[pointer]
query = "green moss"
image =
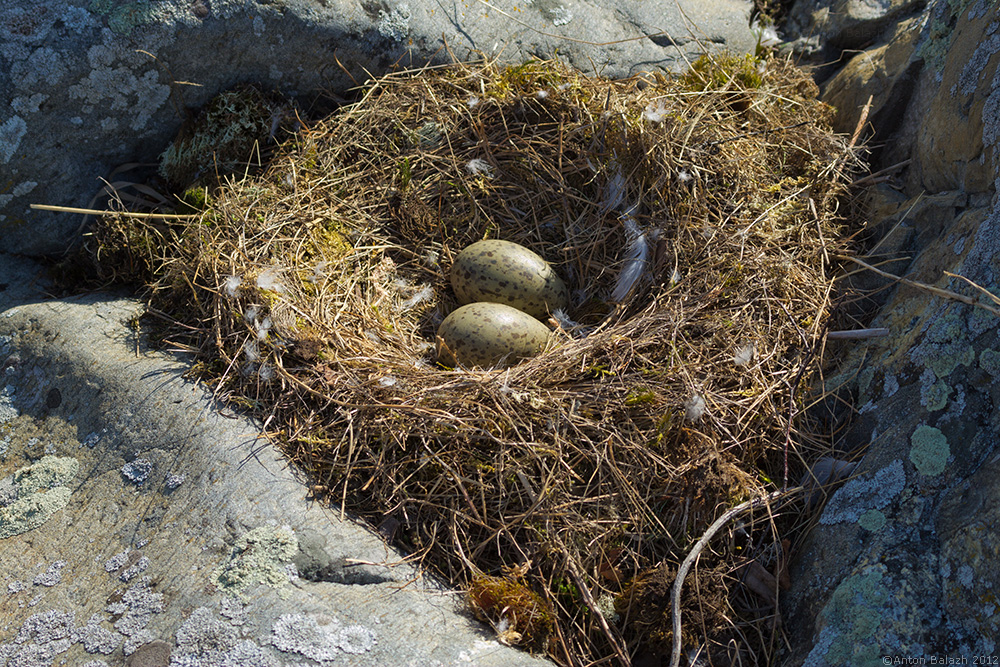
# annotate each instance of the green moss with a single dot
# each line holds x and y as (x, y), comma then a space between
(640, 395)
(258, 557)
(193, 200)
(526, 79)
(929, 450)
(717, 72)
(872, 520)
(509, 599)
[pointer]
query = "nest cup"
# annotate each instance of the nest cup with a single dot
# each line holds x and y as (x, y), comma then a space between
(563, 490)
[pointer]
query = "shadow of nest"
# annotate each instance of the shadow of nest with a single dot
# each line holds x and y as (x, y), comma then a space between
(562, 492)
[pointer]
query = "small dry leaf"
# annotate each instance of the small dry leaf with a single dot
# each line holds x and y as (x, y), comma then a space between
(607, 568)
(761, 582)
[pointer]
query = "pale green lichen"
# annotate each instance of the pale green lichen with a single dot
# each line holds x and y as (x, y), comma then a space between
(872, 520)
(865, 378)
(865, 493)
(39, 492)
(48, 473)
(854, 613)
(989, 361)
(940, 28)
(12, 131)
(261, 556)
(934, 396)
(225, 136)
(929, 450)
(945, 358)
(946, 345)
(123, 18)
(394, 24)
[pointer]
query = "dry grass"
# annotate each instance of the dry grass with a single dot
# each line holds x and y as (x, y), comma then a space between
(564, 491)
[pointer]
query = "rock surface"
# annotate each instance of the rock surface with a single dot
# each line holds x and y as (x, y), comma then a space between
(139, 525)
(904, 561)
(88, 87)
(826, 30)
(192, 547)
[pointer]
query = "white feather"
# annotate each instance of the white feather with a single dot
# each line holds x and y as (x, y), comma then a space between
(263, 327)
(564, 320)
(231, 285)
(251, 350)
(635, 264)
(477, 166)
(425, 293)
(269, 279)
(265, 373)
(614, 192)
(744, 355)
(695, 407)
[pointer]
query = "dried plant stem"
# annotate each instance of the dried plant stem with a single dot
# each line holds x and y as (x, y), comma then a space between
(993, 297)
(931, 289)
(124, 214)
(603, 622)
(682, 572)
(879, 175)
(854, 334)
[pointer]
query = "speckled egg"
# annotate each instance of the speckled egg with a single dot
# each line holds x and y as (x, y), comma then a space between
(505, 272)
(489, 334)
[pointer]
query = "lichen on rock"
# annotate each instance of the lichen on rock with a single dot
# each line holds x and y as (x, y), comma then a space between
(39, 492)
(861, 495)
(259, 556)
(852, 619)
(223, 137)
(929, 450)
(319, 639)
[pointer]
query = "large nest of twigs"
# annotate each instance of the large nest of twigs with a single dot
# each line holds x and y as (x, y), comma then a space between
(561, 492)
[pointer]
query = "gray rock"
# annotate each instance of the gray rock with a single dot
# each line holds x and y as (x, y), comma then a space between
(848, 24)
(231, 566)
(904, 559)
(92, 86)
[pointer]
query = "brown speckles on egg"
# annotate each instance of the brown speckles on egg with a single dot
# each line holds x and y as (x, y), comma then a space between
(487, 334)
(505, 272)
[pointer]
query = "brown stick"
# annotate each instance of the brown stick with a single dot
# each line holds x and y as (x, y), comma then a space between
(877, 332)
(675, 659)
(882, 172)
(936, 291)
(127, 214)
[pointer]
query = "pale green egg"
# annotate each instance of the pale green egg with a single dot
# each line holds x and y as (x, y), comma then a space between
(504, 272)
(489, 334)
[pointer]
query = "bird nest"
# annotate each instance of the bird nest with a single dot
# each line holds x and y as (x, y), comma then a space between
(562, 492)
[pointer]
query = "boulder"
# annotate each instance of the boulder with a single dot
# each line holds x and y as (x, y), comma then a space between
(91, 88)
(141, 525)
(904, 559)
(833, 27)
